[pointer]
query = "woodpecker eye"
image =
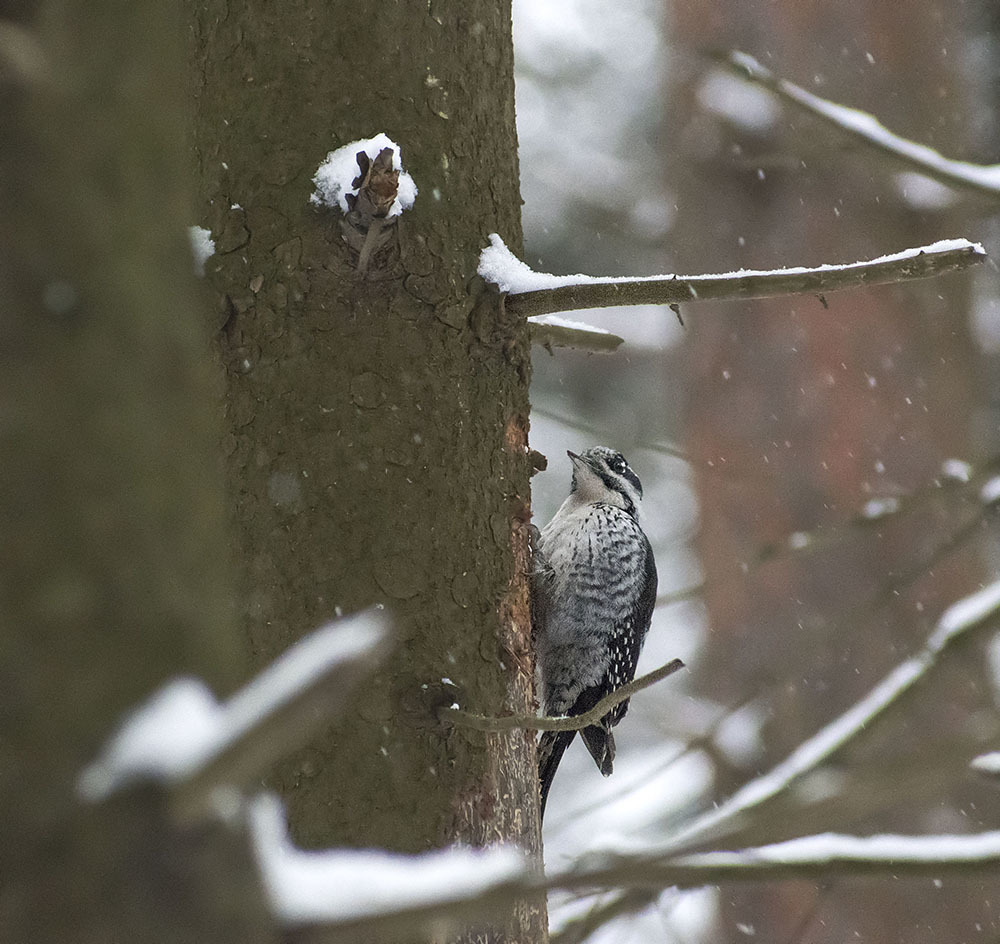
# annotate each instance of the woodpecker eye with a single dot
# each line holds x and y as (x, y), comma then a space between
(618, 464)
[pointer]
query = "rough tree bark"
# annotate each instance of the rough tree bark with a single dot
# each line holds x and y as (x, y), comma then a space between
(376, 426)
(112, 564)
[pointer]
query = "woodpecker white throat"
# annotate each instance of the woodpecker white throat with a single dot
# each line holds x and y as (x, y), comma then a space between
(593, 592)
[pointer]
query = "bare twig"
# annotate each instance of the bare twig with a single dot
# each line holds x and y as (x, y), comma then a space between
(579, 929)
(926, 262)
(574, 423)
(877, 511)
(701, 742)
(469, 719)
(549, 336)
(679, 596)
(984, 179)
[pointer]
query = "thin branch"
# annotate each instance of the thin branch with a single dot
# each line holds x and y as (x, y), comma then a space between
(814, 857)
(679, 596)
(877, 511)
(579, 929)
(579, 337)
(981, 178)
(920, 263)
(702, 741)
(469, 719)
(664, 448)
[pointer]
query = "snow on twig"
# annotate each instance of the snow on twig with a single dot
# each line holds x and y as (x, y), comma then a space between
(827, 848)
(982, 178)
(987, 764)
(531, 293)
(182, 736)
(819, 856)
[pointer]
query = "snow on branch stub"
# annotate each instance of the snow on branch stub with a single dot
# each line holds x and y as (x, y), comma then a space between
(202, 749)
(366, 181)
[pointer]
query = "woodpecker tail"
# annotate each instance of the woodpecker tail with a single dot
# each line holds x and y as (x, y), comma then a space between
(551, 748)
(601, 744)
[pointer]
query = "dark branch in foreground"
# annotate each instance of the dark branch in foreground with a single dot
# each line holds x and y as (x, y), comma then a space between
(902, 267)
(981, 178)
(534, 723)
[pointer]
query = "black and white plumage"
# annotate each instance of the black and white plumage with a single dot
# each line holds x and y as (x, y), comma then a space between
(593, 592)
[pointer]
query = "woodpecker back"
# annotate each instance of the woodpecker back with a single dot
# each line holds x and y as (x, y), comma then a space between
(593, 592)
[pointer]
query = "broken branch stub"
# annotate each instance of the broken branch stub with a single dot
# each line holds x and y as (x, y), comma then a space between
(378, 185)
(367, 228)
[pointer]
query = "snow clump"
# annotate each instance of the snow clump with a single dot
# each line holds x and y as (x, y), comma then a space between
(334, 179)
(202, 247)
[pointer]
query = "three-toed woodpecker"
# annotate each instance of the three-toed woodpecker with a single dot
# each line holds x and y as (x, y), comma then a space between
(593, 592)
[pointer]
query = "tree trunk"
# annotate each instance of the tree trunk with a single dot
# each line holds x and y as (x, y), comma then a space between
(112, 564)
(376, 426)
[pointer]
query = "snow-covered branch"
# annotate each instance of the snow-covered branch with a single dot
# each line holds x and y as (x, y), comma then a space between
(468, 719)
(349, 894)
(367, 893)
(867, 128)
(531, 293)
(204, 750)
(820, 856)
(976, 610)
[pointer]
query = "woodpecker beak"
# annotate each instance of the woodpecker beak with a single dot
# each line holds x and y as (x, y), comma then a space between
(578, 462)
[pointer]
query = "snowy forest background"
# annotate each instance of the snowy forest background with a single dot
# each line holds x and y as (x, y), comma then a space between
(638, 156)
(198, 473)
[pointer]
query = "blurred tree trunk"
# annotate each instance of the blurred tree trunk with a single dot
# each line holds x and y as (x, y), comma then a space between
(112, 564)
(376, 427)
(797, 416)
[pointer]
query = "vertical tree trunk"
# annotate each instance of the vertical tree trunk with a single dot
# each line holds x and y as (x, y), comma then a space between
(112, 563)
(376, 426)
(798, 416)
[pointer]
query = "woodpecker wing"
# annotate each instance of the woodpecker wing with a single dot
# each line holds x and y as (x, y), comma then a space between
(625, 658)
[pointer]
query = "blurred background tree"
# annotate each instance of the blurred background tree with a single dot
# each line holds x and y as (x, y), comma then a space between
(640, 156)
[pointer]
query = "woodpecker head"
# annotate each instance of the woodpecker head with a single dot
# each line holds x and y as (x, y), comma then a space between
(602, 475)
